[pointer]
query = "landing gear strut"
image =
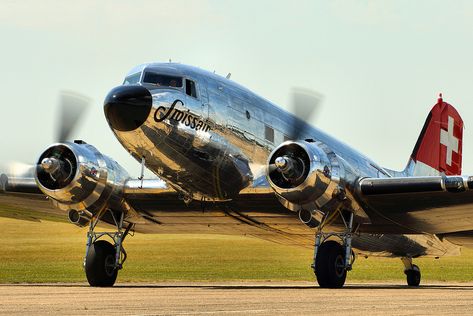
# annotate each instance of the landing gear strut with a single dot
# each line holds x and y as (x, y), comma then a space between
(412, 272)
(103, 259)
(332, 259)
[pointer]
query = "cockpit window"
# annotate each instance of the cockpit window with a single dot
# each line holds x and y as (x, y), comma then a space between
(163, 80)
(132, 79)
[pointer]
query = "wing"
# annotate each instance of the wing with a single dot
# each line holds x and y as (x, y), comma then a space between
(156, 208)
(256, 213)
(435, 204)
(427, 204)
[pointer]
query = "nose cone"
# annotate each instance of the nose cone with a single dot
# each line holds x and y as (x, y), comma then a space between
(127, 107)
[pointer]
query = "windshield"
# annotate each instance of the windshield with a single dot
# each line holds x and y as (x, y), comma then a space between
(132, 79)
(162, 80)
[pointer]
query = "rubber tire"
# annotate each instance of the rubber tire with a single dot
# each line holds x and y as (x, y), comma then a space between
(100, 253)
(329, 255)
(413, 276)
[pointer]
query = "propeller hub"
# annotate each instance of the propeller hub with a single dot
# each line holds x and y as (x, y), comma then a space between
(291, 168)
(50, 164)
(281, 163)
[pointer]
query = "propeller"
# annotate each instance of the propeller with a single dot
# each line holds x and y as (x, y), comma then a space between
(305, 105)
(72, 107)
(19, 169)
(16, 173)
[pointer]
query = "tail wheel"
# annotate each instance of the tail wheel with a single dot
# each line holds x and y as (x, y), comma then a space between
(100, 264)
(330, 265)
(413, 276)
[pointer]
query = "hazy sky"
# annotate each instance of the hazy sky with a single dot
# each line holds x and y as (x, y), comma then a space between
(379, 64)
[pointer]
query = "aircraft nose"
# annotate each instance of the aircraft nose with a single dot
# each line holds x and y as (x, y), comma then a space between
(127, 107)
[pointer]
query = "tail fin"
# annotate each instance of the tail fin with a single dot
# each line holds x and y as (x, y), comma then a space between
(439, 147)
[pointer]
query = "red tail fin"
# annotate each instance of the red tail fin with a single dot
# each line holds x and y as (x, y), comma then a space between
(439, 147)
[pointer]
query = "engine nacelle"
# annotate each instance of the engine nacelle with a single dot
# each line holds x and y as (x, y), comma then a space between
(80, 180)
(304, 174)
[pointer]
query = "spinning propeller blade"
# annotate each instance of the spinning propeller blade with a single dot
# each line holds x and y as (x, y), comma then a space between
(72, 108)
(305, 105)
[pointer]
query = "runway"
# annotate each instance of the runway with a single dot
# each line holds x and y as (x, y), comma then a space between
(235, 298)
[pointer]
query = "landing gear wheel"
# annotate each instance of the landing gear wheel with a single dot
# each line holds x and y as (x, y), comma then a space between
(330, 265)
(413, 276)
(100, 264)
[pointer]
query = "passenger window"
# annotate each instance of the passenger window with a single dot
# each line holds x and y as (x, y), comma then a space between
(190, 88)
(269, 133)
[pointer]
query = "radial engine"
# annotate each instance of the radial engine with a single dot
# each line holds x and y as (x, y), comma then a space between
(80, 180)
(307, 177)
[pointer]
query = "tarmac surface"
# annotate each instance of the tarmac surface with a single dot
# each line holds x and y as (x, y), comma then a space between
(236, 298)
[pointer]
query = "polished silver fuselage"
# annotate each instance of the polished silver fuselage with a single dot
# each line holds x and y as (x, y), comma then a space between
(230, 150)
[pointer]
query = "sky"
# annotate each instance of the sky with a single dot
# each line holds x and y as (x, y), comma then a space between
(378, 64)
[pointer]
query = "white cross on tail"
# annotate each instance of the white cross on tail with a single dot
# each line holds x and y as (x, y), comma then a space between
(450, 141)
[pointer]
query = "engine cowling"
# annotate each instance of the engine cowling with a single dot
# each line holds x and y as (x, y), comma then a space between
(79, 179)
(304, 174)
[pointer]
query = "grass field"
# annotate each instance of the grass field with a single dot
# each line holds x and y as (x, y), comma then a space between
(53, 252)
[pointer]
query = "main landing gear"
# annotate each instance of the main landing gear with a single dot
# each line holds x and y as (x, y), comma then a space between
(103, 259)
(411, 271)
(332, 259)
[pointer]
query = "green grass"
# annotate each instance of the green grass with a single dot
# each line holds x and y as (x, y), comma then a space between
(53, 252)
(24, 214)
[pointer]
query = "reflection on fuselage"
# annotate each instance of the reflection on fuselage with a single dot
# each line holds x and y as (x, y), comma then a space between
(208, 137)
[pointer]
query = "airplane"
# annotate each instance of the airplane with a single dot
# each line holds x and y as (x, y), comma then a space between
(231, 162)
